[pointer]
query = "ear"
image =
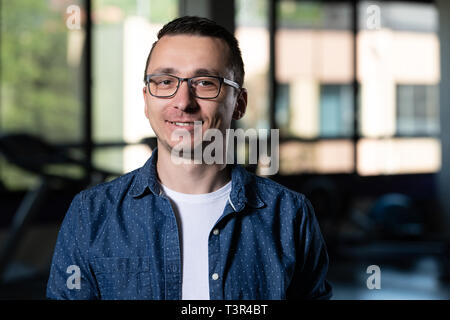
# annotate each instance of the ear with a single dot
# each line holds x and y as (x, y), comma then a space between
(241, 105)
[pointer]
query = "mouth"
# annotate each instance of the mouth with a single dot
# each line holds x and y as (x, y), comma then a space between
(183, 123)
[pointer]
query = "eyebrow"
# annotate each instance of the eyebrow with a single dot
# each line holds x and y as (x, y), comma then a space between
(164, 70)
(197, 72)
(206, 72)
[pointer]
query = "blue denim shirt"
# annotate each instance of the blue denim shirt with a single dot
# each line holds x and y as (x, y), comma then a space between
(120, 240)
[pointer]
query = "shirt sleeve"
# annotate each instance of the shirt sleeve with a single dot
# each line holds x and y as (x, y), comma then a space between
(70, 275)
(309, 280)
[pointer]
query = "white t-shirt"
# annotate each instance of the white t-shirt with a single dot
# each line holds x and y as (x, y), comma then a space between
(196, 215)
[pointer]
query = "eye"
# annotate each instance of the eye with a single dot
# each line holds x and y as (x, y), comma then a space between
(165, 82)
(205, 83)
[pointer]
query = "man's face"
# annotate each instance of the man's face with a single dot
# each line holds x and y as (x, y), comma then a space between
(188, 56)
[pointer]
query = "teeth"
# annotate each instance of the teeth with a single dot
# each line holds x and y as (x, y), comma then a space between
(183, 123)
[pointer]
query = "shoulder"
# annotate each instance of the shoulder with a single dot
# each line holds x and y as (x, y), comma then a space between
(93, 207)
(270, 189)
(96, 201)
(110, 191)
(279, 199)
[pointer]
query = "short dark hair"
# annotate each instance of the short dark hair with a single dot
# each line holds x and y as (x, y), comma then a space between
(193, 25)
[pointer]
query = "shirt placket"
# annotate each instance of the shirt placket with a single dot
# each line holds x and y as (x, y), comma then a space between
(216, 261)
(215, 270)
(172, 260)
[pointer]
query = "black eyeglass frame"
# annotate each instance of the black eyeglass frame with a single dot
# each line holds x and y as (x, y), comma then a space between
(189, 80)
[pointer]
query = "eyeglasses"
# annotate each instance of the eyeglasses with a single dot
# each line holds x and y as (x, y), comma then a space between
(203, 87)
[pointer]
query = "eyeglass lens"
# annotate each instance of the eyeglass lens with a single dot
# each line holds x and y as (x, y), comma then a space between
(167, 85)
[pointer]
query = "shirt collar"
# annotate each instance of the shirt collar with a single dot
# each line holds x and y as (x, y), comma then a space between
(243, 188)
(146, 178)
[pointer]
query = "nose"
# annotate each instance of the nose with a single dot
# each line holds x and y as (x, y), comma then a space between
(183, 99)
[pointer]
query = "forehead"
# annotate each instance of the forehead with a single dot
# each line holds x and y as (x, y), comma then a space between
(187, 53)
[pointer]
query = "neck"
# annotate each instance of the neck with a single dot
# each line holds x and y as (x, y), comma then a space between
(189, 177)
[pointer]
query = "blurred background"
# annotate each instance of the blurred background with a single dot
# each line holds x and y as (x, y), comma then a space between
(360, 91)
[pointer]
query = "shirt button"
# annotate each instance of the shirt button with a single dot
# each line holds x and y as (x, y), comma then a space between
(215, 276)
(215, 231)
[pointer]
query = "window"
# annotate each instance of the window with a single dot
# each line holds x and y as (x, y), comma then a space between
(398, 70)
(417, 110)
(253, 36)
(314, 72)
(41, 76)
(336, 110)
(397, 79)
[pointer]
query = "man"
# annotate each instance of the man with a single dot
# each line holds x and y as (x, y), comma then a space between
(190, 230)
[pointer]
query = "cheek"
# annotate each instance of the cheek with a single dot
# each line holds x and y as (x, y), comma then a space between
(148, 109)
(152, 110)
(221, 119)
(227, 110)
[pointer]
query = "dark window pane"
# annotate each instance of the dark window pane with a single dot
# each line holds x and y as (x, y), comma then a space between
(417, 110)
(336, 110)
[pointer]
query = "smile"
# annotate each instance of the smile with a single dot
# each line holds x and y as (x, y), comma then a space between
(182, 124)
